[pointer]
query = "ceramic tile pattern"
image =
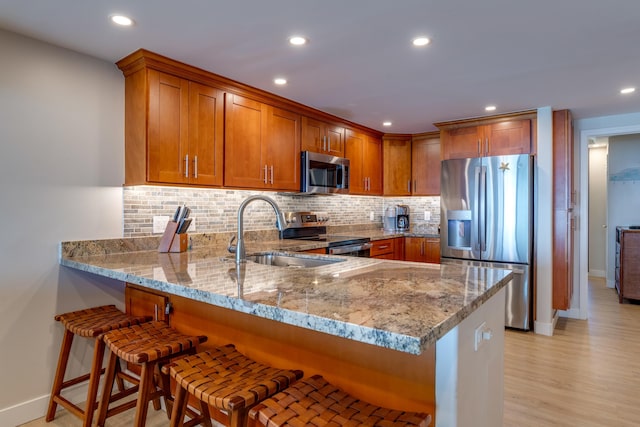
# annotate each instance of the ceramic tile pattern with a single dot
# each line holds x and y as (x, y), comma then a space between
(215, 210)
(398, 305)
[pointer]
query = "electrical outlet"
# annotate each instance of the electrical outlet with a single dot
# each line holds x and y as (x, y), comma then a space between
(427, 215)
(160, 223)
(371, 216)
(483, 333)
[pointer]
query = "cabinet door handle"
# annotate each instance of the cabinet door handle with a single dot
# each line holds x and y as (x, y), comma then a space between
(409, 186)
(422, 248)
(186, 166)
(328, 143)
(480, 146)
(486, 146)
(415, 185)
(324, 143)
(155, 312)
(195, 167)
(265, 174)
(383, 247)
(271, 174)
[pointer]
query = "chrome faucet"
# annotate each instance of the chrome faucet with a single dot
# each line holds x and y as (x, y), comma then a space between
(239, 246)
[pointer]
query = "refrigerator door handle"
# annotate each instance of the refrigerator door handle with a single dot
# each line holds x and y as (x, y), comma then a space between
(475, 205)
(482, 207)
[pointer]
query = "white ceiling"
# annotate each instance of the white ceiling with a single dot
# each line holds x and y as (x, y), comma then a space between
(360, 64)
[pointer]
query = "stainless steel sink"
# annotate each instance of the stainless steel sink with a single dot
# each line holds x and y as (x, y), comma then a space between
(290, 260)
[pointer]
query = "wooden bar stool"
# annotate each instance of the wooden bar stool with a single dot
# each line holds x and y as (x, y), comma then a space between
(149, 345)
(88, 323)
(315, 402)
(228, 381)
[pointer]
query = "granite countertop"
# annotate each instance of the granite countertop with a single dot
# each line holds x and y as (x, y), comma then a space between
(399, 305)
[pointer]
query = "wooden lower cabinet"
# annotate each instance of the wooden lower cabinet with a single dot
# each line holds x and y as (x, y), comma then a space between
(143, 302)
(388, 249)
(627, 265)
(422, 249)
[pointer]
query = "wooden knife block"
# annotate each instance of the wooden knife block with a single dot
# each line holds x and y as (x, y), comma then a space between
(172, 242)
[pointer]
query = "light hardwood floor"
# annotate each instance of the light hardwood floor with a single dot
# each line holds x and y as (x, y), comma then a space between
(587, 374)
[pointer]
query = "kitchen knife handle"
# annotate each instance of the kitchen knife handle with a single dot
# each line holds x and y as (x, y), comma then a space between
(186, 166)
(195, 167)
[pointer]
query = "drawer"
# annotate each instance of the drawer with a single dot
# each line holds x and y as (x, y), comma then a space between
(382, 247)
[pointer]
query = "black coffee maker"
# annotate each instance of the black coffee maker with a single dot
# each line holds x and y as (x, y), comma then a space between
(402, 218)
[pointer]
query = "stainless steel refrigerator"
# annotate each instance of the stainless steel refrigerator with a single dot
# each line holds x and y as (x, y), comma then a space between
(486, 216)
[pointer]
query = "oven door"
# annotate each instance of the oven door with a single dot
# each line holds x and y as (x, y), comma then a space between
(362, 250)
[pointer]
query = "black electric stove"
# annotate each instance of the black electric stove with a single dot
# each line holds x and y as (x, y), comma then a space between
(310, 226)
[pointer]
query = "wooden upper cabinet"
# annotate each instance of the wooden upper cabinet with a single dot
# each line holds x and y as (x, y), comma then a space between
(322, 137)
(412, 164)
(491, 136)
(181, 142)
(262, 145)
(396, 155)
(283, 149)
(425, 164)
(365, 156)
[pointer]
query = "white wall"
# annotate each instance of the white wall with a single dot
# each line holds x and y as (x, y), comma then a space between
(61, 171)
(597, 210)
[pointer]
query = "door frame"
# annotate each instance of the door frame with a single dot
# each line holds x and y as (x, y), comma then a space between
(583, 227)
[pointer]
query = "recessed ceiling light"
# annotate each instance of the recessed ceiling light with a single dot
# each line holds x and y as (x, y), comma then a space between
(297, 40)
(490, 108)
(627, 90)
(421, 41)
(125, 21)
(280, 81)
(386, 123)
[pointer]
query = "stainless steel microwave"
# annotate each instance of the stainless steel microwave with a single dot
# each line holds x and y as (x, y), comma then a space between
(322, 174)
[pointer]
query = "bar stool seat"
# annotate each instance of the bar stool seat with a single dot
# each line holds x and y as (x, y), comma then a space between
(149, 345)
(87, 323)
(228, 381)
(315, 402)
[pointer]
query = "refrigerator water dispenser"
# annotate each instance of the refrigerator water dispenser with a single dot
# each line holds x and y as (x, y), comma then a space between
(459, 229)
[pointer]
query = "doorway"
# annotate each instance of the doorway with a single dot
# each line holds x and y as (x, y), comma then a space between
(582, 264)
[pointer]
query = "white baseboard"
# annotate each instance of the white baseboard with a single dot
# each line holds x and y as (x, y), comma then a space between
(545, 328)
(597, 273)
(37, 408)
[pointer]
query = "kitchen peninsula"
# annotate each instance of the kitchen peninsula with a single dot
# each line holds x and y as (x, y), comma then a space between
(413, 336)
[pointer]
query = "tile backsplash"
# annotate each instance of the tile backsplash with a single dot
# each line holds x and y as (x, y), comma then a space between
(215, 210)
